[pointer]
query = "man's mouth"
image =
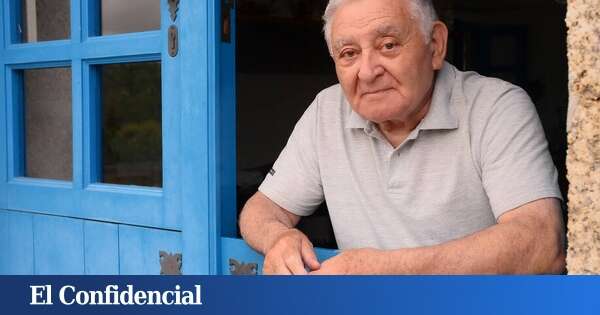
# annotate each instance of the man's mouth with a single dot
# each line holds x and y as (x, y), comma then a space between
(373, 92)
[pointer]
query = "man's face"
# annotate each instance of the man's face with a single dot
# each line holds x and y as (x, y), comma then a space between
(382, 61)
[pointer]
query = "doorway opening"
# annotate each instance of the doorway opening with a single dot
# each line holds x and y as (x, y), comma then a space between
(283, 62)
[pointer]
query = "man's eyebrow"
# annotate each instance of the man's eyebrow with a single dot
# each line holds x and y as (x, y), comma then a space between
(388, 30)
(339, 43)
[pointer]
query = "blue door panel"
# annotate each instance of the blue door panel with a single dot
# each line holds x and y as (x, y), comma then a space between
(101, 243)
(58, 245)
(139, 249)
(135, 206)
(16, 243)
(50, 196)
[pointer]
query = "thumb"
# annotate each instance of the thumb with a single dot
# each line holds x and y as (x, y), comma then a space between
(309, 257)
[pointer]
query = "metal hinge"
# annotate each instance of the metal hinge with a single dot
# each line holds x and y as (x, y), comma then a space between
(242, 269)
(173, 8)
(170, 264)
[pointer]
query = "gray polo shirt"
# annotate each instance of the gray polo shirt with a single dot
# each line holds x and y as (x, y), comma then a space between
(480, 151)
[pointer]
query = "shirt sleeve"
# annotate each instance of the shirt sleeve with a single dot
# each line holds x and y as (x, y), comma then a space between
(516, 165)
(294, 182)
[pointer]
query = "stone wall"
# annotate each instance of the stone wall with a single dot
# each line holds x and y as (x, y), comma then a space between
(583, 158)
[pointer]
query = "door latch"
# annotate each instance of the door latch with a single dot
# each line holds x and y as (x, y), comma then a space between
(172, 33)
(173, 41)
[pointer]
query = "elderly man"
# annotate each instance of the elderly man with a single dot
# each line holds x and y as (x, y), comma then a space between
(425, 169)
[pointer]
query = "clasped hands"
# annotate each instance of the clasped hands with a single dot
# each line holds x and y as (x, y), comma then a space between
(293, 254)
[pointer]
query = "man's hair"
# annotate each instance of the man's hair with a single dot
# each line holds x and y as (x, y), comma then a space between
(421, 10)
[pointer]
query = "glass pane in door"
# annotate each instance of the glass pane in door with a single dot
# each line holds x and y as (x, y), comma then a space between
(118, 16)
(44, 20)
(131, 124)
(47, 123)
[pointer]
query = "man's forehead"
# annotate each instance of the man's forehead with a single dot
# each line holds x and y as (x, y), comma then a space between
(386, 29)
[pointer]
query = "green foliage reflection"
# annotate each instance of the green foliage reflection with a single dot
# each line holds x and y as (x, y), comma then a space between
(131, 120)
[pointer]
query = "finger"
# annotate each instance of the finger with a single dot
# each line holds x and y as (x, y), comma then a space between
(309, 257)
(281, 269)
(274, 266)
(295, 265)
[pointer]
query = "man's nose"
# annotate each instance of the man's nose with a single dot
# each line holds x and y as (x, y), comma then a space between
(370, 67)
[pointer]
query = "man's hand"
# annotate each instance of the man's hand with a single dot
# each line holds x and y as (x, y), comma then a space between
(290, 254)
(526, 240)
(353, 262)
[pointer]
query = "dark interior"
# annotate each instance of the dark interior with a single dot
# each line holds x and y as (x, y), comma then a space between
(282, 63)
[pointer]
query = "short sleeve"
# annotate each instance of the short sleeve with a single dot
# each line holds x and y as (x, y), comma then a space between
(294, 182)
(515, 162)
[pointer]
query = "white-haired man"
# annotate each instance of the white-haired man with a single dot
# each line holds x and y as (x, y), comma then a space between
(425, 169)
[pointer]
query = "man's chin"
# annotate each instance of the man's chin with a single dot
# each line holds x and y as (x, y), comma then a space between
(378, 119)
(380, 116)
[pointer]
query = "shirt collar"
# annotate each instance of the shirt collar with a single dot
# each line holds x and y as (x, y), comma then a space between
(441, 115)
(355, 121)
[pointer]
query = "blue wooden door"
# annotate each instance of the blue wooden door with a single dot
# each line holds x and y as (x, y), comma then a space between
(109, 144)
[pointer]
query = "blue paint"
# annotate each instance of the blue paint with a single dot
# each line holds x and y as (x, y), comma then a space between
(82, 199)
(13, 16)
(77, 123)
(38, 65)
(194, 95)
(4, 26)
(197, 204)
(58, 245)
(213, 134)
(227, 130)
(76, 32)
(173, 167)
(41, 196)
(43, 52)
(139, 249)
(138, 206)
(106, 47)
(91, 131)
(77, 100)
(14, 124)
(91, 18)
(16, 242)
(101, 241)
(122, 45)
(3, 117)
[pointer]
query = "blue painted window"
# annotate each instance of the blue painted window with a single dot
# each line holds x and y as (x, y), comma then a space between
(66, 154)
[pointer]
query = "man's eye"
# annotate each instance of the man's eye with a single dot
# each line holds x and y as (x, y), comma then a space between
(389, 46)
(348, 54)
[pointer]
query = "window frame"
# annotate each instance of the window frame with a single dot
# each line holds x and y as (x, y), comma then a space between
(83, 197)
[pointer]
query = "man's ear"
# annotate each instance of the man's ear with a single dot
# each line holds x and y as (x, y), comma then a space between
(439, 44)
